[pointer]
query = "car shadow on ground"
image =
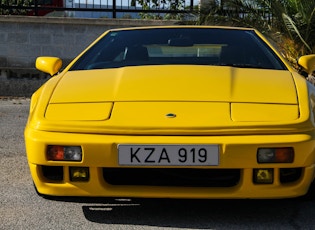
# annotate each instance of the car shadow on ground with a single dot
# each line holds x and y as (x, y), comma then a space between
(196, 214)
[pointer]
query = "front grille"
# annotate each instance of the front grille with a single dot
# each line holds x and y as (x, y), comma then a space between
(172, 177)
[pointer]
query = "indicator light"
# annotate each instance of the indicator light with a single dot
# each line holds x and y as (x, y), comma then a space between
(64, 153)
(275, 155)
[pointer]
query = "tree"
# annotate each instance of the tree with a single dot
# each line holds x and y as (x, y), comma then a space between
(291, 23)
(171, 5)
(299, 21)
(6, 4)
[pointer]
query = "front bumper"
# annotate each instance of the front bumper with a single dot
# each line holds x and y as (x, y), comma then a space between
(237, 154)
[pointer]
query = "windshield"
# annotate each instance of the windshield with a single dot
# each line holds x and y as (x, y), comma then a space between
(180, 46)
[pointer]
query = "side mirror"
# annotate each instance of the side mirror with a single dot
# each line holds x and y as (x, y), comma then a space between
(50, 65)
(307, 63)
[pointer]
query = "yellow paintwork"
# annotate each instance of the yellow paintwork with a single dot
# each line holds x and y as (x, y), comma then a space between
(50, 65)
(153, 83)
(307, 62)
(263, 112)
(238, 109)
(78, 111)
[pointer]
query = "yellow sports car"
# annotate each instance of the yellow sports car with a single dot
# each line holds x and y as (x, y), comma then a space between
(174, 112)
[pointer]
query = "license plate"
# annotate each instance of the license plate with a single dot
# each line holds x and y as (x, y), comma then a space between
(168, 155)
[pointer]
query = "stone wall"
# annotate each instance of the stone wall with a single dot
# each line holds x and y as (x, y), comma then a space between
(22, 39)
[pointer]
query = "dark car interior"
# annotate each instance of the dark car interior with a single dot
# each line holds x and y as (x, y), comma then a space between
(202, 46)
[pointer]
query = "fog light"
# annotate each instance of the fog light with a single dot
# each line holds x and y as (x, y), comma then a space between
(275, 155)
(79, 173)
(263, 176)
(64, 153)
